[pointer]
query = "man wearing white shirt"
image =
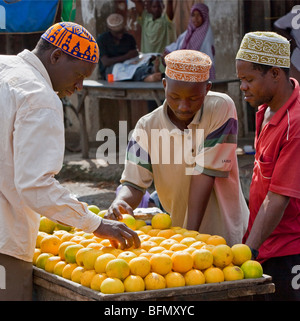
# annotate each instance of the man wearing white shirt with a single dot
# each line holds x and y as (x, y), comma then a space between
(32, 150)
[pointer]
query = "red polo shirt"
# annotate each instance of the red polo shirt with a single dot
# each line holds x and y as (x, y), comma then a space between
(277, 169)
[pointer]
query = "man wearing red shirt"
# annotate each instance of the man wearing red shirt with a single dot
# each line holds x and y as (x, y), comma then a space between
(273, 232)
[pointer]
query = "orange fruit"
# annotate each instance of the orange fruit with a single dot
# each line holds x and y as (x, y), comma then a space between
(190, 233)
(174, 279)
(168, 243)
(42, 259)
(105, 242)
(198, 244)
(178, 237)
(252, 269)
(79, 255)
(154, 281)
(156, 249)
(97, 281)
(139, 224)
(147, 245)
(101, 262)
(209, 247)
(145, 228)
(51, 262)
(77, 239)
(241, 253)
(203, 259)
(232, 273)
(153, 231)
(138, 251)
(67, 270)
(129, 220)
(182, 261)
(188, 241)
(127, 256)
(140, 266)
(50, 244)
(194, 277)
(66, 237)
(89, 258)
(86, 277)
(112, 250)
(58, 268)
(167, 233)
(222, 255)
(215, 240)
(213, 275)
(144, 237)
(202, 237)
(70, 252)
(168, 252)
(134, 283)
(37, 252)
(112, 286)
(161, 221)
(190, 249)
(62, 247)
(86, 242)
(161, 263)
(77, 273)
(39, 238)
(178, 247)
(147, 255)
(46, 225)
(157, 239)
(59, 233)
(95, 246)
(117, 268)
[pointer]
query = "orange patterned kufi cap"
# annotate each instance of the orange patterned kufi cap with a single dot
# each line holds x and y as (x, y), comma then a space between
(188, 65)
(74, 40)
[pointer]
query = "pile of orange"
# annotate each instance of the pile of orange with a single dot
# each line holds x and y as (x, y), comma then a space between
(169, 256)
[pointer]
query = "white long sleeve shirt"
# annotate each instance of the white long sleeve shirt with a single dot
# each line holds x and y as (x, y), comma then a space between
(31, 154)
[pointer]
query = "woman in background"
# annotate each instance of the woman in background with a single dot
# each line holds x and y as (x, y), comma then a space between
(198, 36)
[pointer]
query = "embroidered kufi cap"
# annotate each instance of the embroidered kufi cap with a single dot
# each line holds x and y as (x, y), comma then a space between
(188, 65)
(74, 40)
(267, 48)
(115, 22)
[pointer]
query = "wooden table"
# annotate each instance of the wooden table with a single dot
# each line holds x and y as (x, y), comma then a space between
(50, 287)
(125, 90)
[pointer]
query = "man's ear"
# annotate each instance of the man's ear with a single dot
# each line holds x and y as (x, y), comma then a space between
(208, 86)
(56, 55)
(275, 72)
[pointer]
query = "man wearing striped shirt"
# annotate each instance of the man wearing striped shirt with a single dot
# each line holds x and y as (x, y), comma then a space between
(187, 148)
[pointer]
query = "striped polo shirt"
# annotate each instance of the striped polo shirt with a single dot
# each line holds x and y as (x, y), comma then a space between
(160, 152)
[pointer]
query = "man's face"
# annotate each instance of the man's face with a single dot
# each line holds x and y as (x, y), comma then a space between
(67, 74)
(117, 34)
(156, 8)
(185, 98)
(257, 87)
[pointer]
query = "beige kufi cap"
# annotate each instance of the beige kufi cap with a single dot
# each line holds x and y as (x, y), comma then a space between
(266, 48)
(188, 65)
(115, 22)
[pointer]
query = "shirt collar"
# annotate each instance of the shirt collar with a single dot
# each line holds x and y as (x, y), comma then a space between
(34, 61)
(282, 111)
(168, 123)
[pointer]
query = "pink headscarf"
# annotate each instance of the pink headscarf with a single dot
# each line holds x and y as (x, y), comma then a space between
(195, 36)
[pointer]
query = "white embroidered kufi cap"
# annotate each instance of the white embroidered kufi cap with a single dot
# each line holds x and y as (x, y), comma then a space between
(267, 48)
